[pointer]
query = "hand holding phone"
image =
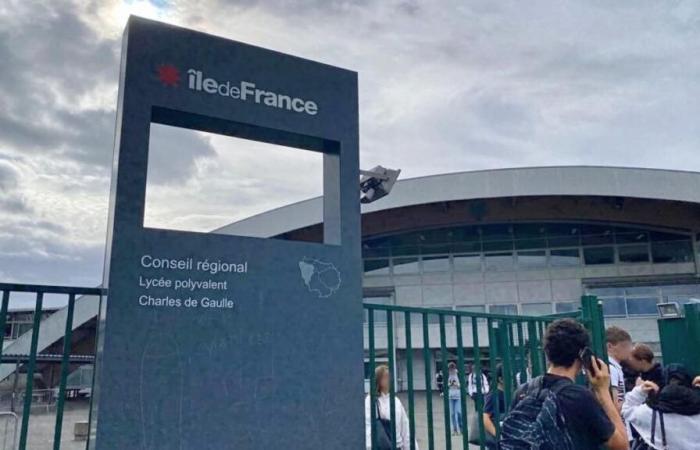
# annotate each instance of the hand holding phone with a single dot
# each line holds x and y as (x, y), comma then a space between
(586, 356)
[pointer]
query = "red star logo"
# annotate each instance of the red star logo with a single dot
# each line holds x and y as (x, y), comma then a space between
(168, 75)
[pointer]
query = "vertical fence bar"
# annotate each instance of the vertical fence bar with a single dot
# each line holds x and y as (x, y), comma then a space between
(445, 387)
(462, 383)
(392, 373)
(493, 362)
(94, 374)
(540, 329)
(372, 382)
(592, 316)
(516, 364)
(65, 362)
(508, 376)
(535, 360)
(3, 318)
(521, 351)
(409, 377)
(478, 398)
(428, 381)
(30, 372)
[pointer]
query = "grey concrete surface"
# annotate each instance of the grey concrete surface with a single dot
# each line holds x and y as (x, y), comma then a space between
(41, 425)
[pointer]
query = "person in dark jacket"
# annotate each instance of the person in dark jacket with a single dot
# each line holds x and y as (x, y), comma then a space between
(641, 361)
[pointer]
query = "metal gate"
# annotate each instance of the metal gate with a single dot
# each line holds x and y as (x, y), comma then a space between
(53, 399)
(514, 342)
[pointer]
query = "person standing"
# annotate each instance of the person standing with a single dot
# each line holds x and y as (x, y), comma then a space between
(522, 378)
(494, 410)
(455, 394)
(472, 385)
(382, 408)
(590, 418)
(665, 417)
(641, 360)
(619, 344)
(440, 382)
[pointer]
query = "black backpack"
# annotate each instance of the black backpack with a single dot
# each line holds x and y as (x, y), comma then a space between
(638, 442)
(536, 422)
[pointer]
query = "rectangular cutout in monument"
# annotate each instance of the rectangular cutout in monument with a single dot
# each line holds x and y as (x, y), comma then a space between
(202, 182)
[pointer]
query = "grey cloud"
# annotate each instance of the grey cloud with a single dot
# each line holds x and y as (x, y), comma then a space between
(454, 86)
(8, 176)
(50, 58)
(173, 153)
(11, 199)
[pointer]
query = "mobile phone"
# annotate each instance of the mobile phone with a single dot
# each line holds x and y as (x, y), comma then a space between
(585, 357)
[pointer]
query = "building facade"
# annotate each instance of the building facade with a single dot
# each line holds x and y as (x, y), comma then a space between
(526, 241)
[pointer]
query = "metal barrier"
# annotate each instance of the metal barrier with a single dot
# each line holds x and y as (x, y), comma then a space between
(39, 292)
(514, 342)
(682, 329)
(6, 417)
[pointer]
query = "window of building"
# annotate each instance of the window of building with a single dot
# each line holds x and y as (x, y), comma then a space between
(532, 259)
(634, 253)
(563, 235)
(565, 307)
(435, 318)
(564, 241)
(631, 236)
(375, 267)
(597, 235)
(379, 316)
(598, 255)
(499, 262)
(614, 307)
(472, 308)
(503, 309)
(642, 291)
(564, 257)
(403, 266)
(644, 306)
(467, 263)
(536, 309)
(672, 252)
(436, 263)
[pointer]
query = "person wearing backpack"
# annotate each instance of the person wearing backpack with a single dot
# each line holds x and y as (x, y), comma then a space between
(553, 413)
(382, 422)
(495, 405)
(666, 418)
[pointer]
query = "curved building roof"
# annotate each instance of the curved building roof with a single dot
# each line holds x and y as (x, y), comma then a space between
(638, 183)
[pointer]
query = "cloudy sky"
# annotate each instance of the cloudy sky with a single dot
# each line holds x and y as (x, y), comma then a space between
(444, 86)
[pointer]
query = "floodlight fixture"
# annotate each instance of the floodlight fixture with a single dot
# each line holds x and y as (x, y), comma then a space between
(669, 310)
(377, 183)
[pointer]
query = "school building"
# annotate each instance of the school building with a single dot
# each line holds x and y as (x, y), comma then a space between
(526, 241)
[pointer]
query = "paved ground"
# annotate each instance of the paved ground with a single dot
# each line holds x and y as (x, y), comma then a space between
(421, 414)
(42, 423)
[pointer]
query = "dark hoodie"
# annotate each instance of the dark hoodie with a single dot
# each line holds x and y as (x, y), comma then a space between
(655, 374)
(677, 395)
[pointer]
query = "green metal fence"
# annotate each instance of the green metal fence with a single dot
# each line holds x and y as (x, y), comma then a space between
(29, 361)
(514, 342)
(683, 329)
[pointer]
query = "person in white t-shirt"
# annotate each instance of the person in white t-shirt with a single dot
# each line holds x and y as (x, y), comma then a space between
(619, 344)
(472, 387)
(383, 409)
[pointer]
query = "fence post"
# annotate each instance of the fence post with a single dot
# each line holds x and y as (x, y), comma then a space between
(692, 318)
(65, 363)
(534, 345)
(592, 316)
